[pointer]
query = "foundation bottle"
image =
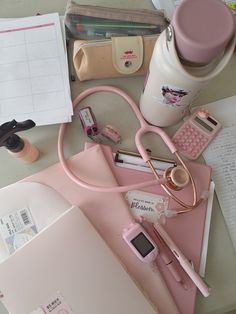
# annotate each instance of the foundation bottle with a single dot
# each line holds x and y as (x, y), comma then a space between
(18, 147)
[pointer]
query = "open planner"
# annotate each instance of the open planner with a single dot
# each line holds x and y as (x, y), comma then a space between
(34, 80)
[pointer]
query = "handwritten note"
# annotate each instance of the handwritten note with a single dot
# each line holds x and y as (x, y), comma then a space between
(221, 155)
(33, 71)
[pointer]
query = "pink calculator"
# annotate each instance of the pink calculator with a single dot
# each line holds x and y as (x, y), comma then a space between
(196, 133)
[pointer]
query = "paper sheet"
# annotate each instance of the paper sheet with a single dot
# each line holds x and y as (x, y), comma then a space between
(34, 80)
(224, 110)
(221, 156)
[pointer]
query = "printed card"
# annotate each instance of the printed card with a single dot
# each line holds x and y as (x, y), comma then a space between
(55, 305)
(17, 228)
(148, 205)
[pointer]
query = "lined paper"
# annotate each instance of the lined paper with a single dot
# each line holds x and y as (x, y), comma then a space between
(34, 80)
(221, 156)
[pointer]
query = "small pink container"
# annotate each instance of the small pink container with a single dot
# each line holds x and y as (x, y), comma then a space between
(203, 28)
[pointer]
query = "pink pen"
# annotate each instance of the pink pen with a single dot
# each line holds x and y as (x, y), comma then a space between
(163, 253)
(167, 259)
(201, 285)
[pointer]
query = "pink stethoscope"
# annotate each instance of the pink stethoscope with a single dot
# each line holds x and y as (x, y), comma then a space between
(144, 128)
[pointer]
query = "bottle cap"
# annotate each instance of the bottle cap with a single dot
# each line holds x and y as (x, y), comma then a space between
(8, 138)
(202, 29)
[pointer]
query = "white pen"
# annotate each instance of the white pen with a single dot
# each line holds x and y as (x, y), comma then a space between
(198, 281)
(137, 160)
(144, 168)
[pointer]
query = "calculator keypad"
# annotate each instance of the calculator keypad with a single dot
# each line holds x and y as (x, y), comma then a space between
(189, 141)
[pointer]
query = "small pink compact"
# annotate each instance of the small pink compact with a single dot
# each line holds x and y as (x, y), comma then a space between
(203, 28)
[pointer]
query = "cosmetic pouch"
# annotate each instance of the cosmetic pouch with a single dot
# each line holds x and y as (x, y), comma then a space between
(115, 57)
(88, 22)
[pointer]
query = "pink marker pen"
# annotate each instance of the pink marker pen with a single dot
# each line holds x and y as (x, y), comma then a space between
(200, 284)
(163, 253)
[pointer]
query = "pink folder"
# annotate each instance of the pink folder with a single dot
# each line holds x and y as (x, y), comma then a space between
(186, 230)
(108, 212)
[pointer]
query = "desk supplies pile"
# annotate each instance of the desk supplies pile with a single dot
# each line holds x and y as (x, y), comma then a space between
(34, 80)
(112, 42)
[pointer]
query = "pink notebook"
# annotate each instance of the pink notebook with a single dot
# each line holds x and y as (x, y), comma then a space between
(108, 212)
(186, 230)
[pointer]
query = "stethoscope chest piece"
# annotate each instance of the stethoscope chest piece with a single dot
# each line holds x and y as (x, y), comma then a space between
(176, 178)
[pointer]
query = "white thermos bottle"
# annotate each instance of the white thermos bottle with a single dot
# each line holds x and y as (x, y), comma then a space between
(192, 50)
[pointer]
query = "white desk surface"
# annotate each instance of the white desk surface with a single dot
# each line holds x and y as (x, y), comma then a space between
(221, 261)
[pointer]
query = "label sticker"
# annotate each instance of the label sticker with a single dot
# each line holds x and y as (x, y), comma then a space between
(148, 205)
(174, 96)
(55, 305)
(17, 228)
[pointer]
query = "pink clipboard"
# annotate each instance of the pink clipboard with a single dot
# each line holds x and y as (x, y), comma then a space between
(187, 229)
(108, 212)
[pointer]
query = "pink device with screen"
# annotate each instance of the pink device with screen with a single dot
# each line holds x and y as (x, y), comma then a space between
(140, 242)
(196, 133)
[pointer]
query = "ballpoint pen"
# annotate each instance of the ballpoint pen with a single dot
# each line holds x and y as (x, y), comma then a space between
(163, 253)
(134, 160)
(187, 266)
(70, 62)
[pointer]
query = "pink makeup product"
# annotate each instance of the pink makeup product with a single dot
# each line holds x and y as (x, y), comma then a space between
(187, 266)
(17, 146)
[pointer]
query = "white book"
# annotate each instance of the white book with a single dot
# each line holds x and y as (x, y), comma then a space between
(68, 268)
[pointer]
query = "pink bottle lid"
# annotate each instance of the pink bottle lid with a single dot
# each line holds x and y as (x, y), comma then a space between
(202, 29)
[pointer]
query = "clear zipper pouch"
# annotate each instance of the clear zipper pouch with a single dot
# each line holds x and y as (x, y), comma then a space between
(87, 22)
(115, 57)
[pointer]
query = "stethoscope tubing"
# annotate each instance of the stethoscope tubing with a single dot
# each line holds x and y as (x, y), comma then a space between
(61, 135)
(144, 128)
